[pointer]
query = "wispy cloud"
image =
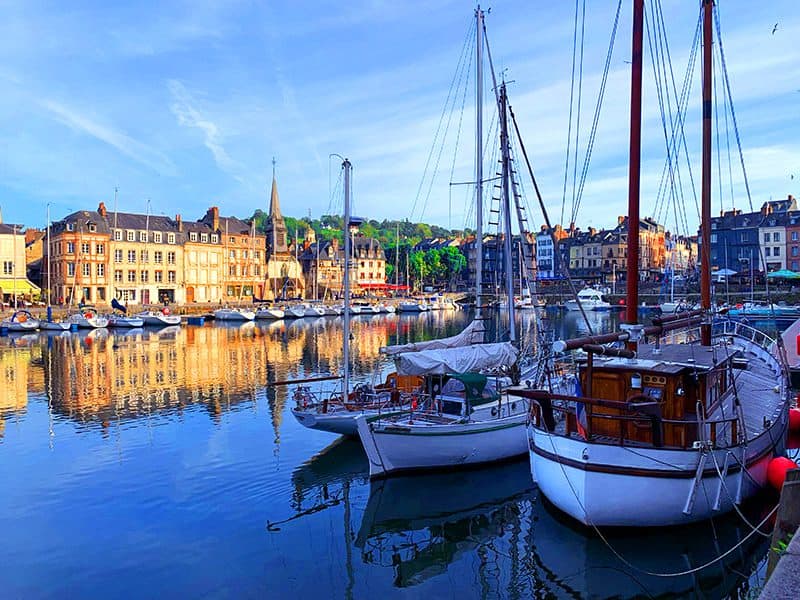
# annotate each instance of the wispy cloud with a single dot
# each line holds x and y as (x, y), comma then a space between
(185, 110)
(134, 149)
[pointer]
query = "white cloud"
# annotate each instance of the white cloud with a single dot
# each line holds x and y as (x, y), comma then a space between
(184, 109)
(136, 150)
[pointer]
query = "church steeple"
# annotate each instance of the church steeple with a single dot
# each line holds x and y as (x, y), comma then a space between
(276, 226)
(274, 202)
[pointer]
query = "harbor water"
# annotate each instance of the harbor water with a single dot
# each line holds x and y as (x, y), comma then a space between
(160, 462)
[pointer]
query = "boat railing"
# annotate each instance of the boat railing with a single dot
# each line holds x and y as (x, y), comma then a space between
(726, 327)
(630, 429)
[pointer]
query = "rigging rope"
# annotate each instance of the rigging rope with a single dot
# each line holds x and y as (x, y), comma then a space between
(467, 39)
(571, 104)
(595, 119)
(578, 115)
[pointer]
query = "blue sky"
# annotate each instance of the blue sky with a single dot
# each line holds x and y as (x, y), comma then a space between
(187, 102)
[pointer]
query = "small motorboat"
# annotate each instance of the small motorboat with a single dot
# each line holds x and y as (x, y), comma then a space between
(21, 320)
(159, 318)
(589, 299)
(410, 306)
(88, 318)
(234, 314)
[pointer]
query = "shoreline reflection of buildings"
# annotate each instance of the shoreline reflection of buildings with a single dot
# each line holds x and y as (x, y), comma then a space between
(134, 376)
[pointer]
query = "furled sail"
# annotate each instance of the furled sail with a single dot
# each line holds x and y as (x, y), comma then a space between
(472, 334)
(479, 357)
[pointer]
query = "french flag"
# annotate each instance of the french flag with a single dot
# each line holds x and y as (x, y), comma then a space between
(580, 410)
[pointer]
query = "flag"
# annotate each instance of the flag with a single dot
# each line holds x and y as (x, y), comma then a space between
(580, 410)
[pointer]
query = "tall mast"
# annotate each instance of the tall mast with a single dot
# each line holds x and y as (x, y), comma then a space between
(396, 258)
(49, 289)
(705, 216)
(508, 265)
(346, 314)
(632, 278)
(478, 159)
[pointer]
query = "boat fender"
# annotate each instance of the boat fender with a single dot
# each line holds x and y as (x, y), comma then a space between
(89, 315)
(414, 402)
(165, 310)
(794, 419)
(777, 469)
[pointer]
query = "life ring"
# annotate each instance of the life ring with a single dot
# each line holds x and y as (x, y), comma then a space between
(89, 315)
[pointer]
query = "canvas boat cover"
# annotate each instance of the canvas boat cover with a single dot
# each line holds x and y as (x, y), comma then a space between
(472, 334)
(479, 357)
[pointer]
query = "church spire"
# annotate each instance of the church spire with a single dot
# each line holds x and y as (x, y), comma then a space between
(274, 202)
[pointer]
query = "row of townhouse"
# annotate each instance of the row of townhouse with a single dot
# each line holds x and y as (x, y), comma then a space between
(99, 255)
(146, 259)
(602, 255)
(765, 241)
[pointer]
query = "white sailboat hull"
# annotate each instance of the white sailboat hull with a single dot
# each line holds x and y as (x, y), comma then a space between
(295, 312)
(314, 311)
(228, 314)
(396, 447)
(269, 313)
(55, 325)
(125, 322)
(341, 422)
(607, 485)
(29, 325)
(159, 319)
(83, 322)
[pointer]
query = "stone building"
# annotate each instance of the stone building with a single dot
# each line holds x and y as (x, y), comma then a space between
(14, 277)
(202, 261)
(146, 257)
(80, 250)
(243, 255)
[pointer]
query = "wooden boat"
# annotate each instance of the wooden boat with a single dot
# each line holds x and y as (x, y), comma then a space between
(681, 423)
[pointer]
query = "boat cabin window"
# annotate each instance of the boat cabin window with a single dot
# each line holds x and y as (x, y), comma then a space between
(452, 407)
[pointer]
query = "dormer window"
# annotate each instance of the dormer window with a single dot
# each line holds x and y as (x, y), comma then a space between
(70, 226)
(92, 227)
(192, 236)
(118, 235)
(170, 238)
(131, 236)
(157, 237)
(204, 238)
(142, 236)
(214, 238)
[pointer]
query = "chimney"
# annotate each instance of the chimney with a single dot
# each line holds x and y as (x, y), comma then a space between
(213, 215)
(620, 220)
(101, 209)
(179, 221)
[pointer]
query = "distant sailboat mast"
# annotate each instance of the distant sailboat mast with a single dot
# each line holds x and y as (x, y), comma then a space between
(478, 160)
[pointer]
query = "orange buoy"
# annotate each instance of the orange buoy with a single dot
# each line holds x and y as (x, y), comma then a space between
(794, 419)
(776, 471)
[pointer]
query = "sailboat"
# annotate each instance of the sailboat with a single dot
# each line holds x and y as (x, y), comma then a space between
(466, 418)
(680, 423)
(21, 320)
(338, 412)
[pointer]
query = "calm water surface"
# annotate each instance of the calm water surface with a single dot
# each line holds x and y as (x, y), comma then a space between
(157, 462)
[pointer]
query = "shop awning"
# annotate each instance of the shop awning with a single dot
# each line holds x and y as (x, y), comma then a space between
(19, 286)
(382, 286)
